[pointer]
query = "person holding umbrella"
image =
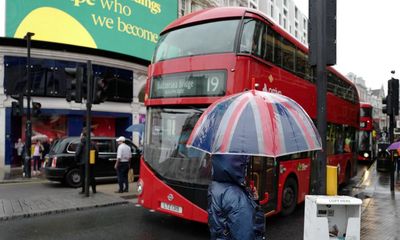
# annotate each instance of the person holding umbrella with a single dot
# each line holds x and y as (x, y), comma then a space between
(233, 212)
(251, 123)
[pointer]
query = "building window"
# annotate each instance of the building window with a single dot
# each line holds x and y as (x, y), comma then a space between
(280, 19)
(272, 11)
(296, 13)
(284, 23)
(285, 2)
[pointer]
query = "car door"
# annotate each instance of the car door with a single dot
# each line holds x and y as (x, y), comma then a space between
(135, 161)
(107, 157)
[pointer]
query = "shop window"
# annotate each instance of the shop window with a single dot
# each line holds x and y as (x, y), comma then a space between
(50, 77)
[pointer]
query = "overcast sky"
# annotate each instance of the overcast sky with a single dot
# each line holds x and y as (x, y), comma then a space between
(368, 38)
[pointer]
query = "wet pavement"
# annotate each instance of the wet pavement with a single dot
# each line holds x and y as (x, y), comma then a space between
(18, 201)
(381, 207)
(379, 220)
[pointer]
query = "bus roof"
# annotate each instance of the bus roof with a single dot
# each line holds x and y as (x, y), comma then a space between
(210, 13)
(235, 12)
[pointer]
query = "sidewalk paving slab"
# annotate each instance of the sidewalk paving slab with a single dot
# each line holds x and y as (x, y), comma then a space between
(380, 217)
(66, 200)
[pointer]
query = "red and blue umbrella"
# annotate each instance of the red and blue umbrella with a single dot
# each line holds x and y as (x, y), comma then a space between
(255, 123)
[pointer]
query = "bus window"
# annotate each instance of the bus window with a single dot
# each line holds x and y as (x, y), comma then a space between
(300, 64)
(189, 41)
(270, 46)
(288, 50)
(247, 36)
(278, 50)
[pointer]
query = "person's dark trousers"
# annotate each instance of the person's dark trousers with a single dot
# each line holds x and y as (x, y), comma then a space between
(92, 180)
(122, 172)
(82, 170)
(36, 163)
(27, 166)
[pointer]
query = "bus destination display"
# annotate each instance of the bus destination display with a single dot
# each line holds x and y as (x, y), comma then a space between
(192, 84)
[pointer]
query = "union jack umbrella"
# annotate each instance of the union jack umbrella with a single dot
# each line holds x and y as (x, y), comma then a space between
(255, 123)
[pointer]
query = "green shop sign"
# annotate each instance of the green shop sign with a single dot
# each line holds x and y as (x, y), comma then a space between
(126, 26)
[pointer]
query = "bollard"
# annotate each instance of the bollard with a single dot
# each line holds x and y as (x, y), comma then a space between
(331, 180)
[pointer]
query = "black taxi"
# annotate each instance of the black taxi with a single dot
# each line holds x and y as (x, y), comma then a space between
(60, 163)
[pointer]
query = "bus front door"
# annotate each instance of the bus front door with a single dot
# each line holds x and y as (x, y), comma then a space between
(263, 173)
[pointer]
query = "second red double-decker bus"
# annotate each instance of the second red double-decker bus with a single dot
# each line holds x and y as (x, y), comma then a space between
(366, 142)
(216, 52)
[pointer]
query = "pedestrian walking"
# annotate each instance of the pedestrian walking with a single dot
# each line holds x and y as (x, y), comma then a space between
(124, 155)
(37, 150)
(80, 158)
(233, 212)
(46, 147)
(19, 148)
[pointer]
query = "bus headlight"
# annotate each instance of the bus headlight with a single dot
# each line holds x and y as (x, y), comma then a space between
(140, 186)
(366, 155)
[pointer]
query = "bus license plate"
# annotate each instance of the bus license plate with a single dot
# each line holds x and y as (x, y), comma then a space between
(171, 207)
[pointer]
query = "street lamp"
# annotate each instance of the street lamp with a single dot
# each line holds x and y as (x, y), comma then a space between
(28, 130)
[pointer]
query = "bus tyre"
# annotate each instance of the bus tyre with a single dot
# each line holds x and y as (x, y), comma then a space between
(289, 197)
(74, 178)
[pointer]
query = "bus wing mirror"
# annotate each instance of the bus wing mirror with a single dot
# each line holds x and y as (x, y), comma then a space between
(265, 200)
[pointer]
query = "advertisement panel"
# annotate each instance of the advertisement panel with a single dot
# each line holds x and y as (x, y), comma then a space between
(130, 27)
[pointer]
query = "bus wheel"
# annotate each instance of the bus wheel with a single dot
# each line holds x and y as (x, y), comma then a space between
(289, 196)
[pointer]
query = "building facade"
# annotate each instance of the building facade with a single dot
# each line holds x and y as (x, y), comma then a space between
(119, 41)
(283, 12)
(374, 97)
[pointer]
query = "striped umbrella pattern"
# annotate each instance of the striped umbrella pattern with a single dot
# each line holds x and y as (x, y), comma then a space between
(255, 123)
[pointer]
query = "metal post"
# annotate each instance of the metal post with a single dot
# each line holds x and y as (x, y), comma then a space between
(89, 94)
(28, 130)
(321, 83)
(391, 140)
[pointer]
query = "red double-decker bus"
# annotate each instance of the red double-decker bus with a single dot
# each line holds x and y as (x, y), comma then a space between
(366, 142)
(216, 52)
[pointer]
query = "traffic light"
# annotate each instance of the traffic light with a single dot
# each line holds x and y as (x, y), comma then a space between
(386, 105)
(36, 108)
(393, 90)
(17, 108)
(75, 84)
(99, 90)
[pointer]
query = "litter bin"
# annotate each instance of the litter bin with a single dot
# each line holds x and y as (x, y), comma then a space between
(332, 217)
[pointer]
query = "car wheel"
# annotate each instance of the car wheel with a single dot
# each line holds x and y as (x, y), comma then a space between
(74, 178)
(289, 197)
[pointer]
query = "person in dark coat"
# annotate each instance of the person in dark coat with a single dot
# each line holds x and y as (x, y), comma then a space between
(232, 210)
(80, 159)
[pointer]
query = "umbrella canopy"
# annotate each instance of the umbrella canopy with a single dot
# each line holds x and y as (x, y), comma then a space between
(255, 123)
(394, 146)
(136, 128)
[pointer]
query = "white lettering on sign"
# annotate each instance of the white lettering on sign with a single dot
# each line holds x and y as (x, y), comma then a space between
(339, 201)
